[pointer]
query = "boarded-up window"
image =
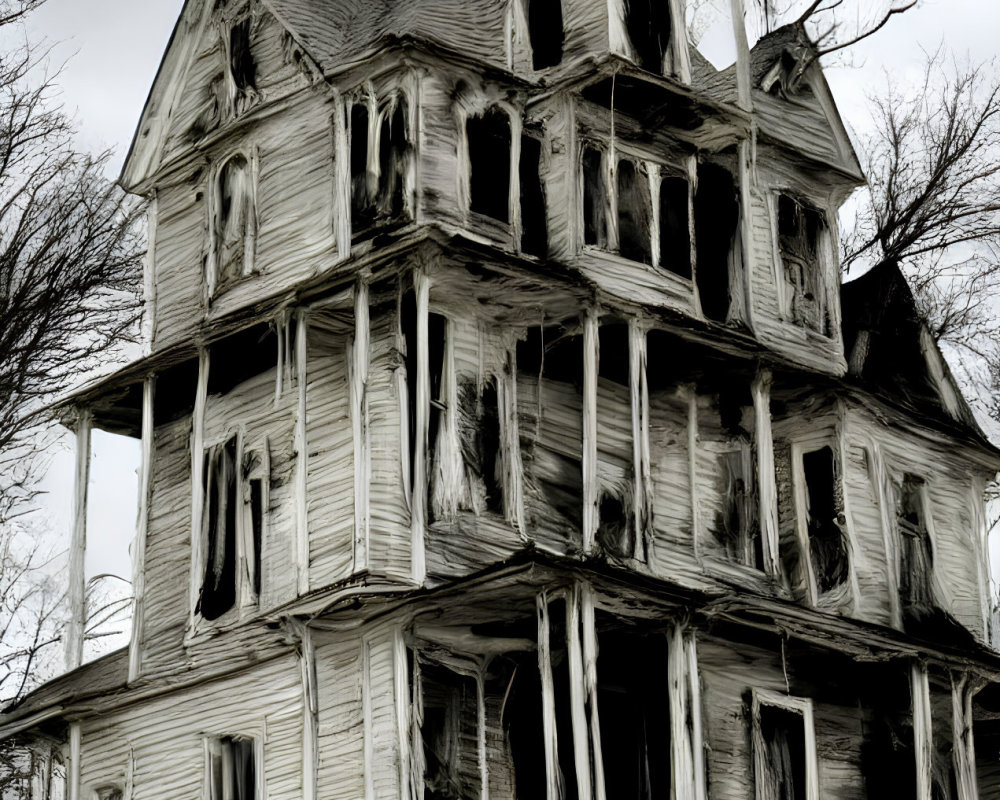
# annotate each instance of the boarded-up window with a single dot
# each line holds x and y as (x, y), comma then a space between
(489, 140)
(799, 231)
(827, 546)
(545, 30)
(647, 23)
(234, 226)
(635, 212)
(232, 768)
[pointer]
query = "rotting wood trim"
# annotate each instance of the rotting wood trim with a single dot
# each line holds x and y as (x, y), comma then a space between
(802, 706)
(149, 305)
(142, 531)
(882, 484)
(75, 764)
(549, 732)
(358, 380)
(78, 544)
(301, 555)
(583, 758)
(510, 449)
(402, 712)
(963, 689)
(591, 490)
(853, 545)
(766, 481)
(418, 504)
(641, 459)
(197, 484)
(585, 593)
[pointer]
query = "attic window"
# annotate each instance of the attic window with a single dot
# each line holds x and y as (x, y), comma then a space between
(242, 67)
(232, 768)
(545, 30)
(823, 520)
(234, 229)
(489, 139)
(800, 230)
(647, 23)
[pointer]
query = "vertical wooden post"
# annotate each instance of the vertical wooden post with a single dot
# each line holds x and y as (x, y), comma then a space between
(766, 482)
(882, 485)
(149, 279)
(310, 707)
(142, 528)
(591, 513)
(198, 482)
(302, 455)
(923, 742)
(588, 624)
(639, 394)
(78, 545)
(549, 732)
(401, 681)
(359, 423)
(692, 441)
(421, 287)
(75, 748)
(963, 748)
(742, 56)
(577, 699)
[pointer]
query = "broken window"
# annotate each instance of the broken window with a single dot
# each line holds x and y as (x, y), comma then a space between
(380, 153)
(716, 217)
(595, 195)
(534, 235)
(823, 520)
(545, 31)
(242, 67)
(799, 232)
(233, 509)
(393, 154)
(633, 699)
(232, 768)
(784, 756)
(647, 23)
(675, 235)
(363, 180)
(449, 734)
(489, 140)
(234, 228)
(916, 556)
(635, 213)
(480, 427)
(616, 529)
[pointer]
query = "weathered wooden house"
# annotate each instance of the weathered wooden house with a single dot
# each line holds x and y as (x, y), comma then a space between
(507, 433)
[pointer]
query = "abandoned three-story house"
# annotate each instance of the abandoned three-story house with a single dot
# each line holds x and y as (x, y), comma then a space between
(507, 433)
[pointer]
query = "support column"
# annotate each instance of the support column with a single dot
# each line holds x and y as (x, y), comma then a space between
(302, 456)
(73, 772)
(142, 528)
(78, 546)
(766, 482)
(923, 741)
(418, 514)
(359, 422)
(639, 393)
(591, 516)
(963, 748)
(197, 483)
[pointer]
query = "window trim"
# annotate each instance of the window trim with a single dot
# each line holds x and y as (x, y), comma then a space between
(209, 740)
(513, 223)
(796, 705)
(214, 288)
(824, 259)
(897, 479)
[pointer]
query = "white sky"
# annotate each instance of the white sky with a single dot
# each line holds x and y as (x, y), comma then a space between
(114, 48)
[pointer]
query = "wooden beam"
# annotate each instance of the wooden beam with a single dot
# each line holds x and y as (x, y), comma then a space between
(766, 480)
(549, 731)
(78, 545)
(577, 699)
(198, 484)
(358, 380)
(588, 625)
(743, 93)
(75, 750)
(923, 741)
(310, 713)
(963, 747)
(142, 530)
(591, 512)
(302, 454)
(642, 471)
(418, 513)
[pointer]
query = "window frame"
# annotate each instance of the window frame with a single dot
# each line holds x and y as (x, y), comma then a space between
(213, 268)
(802, 706)
(822, 264)
(898, 479)
(248, 564)
(209, 741)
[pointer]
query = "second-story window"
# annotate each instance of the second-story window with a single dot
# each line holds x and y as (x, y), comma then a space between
(380, 153)
(489, 138)
(800, 229)
(232, 768)
(916, 560)
(647, 23)
(822, 519)
(545, 31)
(234, 224)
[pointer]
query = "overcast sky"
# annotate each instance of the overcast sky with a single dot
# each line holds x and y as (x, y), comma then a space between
(113, 49)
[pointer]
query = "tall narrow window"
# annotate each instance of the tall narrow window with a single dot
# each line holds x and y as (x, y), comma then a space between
(827, 547)
(242, 67)
(799, 229)
(784, 760)
(218, 589)
(716, 215)
(595, 195)
(675, 236)
(393, 155)
(232, 768)
(534, 235)
(545, 30)
(489, 141)
(363, 179)
(647, 23)
(635, 213)
(916, 556)
(449, 734)
(235, 222)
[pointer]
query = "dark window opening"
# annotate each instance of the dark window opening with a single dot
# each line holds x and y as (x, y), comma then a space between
(176, 388)
(799, 228)
(647, 23)
(559, 655)
(675, 235)
(489, 164)
(916, 556)
(783, 760)
(363, 182)
(233, 769)
(827, 548)
(240, 357)
(257, 530)
(634, 709)
(736, 526)
(594, 199)
(534, 234)
(109, 793)
(545, 30)
(449, 734)
(234, 219)
(393, 157)
(635, 213)
(716, 216)
(242, 67)
(480, 435)
(616, 526)
(218, 588)
(515, 681)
